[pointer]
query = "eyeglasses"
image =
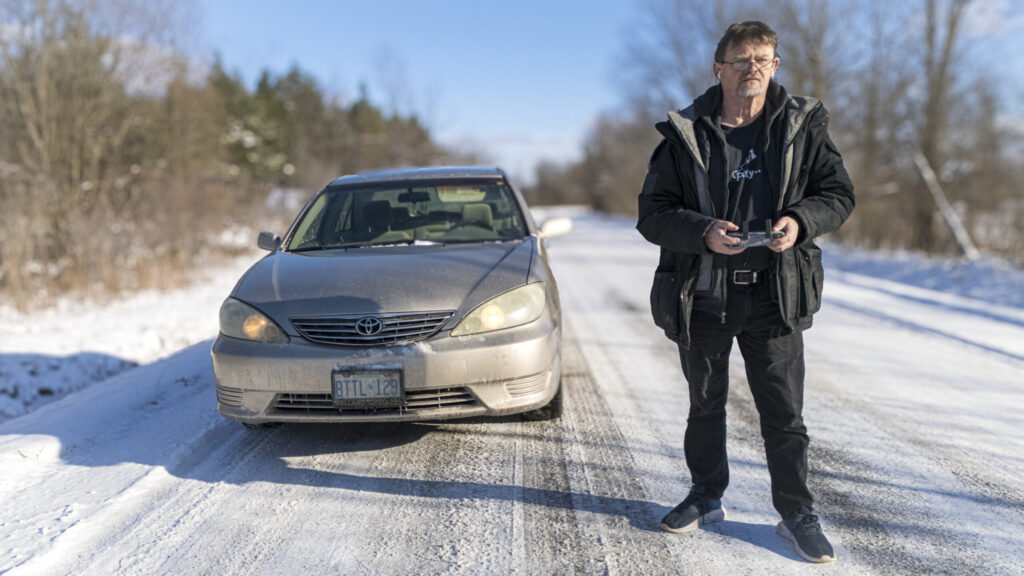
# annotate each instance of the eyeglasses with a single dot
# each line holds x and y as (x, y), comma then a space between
(741, 65)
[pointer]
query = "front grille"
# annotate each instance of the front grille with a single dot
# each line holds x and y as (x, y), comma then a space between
(229, 396)
(415, 400)
(395, 328)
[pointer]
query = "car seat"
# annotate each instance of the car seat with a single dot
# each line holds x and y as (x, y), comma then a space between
(478, 214)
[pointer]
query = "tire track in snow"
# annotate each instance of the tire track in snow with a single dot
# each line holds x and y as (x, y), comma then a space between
(856, 526)
(290, 506)
(606, 344)
(117, 520)
(214, 514)
(380, 498)
(552, 537)
(982, 484)
(539, 472)
(103, 474)
(924, 514)
(604, 482)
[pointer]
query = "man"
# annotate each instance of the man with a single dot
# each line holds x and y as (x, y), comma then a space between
(746, 159)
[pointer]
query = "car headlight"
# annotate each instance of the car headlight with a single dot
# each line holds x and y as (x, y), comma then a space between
(513, 308)
(239, 320)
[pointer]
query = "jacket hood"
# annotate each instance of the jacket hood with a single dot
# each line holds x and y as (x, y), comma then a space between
(385, 279)
(708, 106)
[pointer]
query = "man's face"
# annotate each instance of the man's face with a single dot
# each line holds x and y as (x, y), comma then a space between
(751, 81)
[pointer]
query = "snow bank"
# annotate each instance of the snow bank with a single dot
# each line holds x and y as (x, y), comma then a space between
(47, 354)
(990, 279)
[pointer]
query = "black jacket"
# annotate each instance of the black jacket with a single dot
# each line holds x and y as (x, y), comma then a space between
(678, 205)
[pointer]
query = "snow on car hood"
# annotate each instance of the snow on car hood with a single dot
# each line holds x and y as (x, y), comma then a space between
(384, 279)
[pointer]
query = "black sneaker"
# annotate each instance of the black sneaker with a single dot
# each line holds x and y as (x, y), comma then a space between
(808, 540)
(693, 512)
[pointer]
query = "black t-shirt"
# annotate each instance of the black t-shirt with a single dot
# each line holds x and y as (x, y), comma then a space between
(750, 198)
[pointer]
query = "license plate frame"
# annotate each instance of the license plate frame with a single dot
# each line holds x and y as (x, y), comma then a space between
(368, 388)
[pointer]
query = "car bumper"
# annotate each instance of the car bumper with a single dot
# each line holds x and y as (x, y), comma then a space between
(504, 372)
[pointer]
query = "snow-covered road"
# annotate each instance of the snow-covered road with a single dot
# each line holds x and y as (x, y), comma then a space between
(914, 403)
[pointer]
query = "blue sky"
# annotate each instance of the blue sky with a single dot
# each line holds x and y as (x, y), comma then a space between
(517, 80)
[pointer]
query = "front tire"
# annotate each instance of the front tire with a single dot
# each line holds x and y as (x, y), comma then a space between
(552, 411)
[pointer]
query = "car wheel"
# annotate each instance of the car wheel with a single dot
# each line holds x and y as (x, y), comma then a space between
(262, 426)
(552, 411)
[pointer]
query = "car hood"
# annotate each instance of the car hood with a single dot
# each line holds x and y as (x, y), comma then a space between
(384, 279)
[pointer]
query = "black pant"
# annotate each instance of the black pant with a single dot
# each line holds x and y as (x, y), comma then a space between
(774, 361)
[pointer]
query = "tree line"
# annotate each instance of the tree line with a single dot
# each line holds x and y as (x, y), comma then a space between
(899, 78)
(120, 168)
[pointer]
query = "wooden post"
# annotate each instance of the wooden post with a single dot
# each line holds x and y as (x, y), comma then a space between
(950, 215)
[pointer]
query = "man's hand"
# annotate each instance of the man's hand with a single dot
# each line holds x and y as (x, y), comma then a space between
(718, 241)
(791, 229)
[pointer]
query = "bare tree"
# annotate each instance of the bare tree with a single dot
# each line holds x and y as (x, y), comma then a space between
(668, 60)
(942, 27)
(71, 110)
(812, 49)
(874, 122)
(76, 82)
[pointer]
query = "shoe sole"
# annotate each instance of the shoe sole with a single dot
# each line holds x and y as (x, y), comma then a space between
(784, 532)
(709, 518)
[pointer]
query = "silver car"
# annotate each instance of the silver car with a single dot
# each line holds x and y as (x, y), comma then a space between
(397, 295)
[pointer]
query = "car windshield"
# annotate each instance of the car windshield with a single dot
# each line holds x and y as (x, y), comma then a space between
(439, 213)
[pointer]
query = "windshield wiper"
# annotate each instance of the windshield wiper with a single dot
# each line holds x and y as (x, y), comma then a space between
(388, 243)
(482, 240)
(324, 247)
(308, 248)
(416, 242)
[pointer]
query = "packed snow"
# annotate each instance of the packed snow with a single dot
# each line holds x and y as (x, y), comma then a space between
(114, 460)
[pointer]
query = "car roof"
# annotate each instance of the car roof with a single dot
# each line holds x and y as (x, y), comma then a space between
(422, 173)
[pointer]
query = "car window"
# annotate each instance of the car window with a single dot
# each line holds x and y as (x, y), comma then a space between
(306, 233)
(410, 213)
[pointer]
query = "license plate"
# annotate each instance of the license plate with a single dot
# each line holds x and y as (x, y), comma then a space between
(367, 388)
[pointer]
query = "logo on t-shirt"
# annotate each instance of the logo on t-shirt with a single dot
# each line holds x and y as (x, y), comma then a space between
(742, 173)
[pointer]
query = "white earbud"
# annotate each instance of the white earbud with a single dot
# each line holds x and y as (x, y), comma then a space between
(718, 74)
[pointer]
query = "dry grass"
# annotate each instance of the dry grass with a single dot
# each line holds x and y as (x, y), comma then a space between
(154, 243)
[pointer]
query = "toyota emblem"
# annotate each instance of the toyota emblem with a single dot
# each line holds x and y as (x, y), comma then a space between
(369, 326)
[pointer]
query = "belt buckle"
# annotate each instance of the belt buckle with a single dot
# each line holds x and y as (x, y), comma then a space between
(750, 275)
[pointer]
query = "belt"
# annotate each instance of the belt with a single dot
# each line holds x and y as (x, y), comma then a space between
(747, 277)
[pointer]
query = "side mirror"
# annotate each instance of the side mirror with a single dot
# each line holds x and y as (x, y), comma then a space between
(555, 227)
(268, 241)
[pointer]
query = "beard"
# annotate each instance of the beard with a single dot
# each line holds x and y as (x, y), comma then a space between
(750, 89)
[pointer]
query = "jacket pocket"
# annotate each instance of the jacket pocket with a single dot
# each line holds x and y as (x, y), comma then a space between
(665, 302)
(812, 277)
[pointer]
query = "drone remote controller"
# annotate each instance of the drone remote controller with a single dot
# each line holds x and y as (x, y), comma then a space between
(753, 239)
